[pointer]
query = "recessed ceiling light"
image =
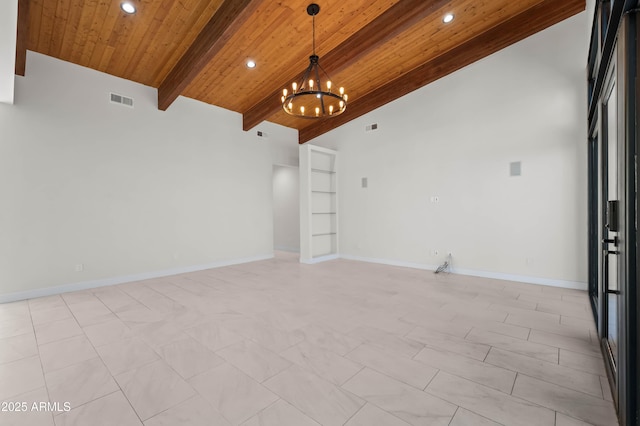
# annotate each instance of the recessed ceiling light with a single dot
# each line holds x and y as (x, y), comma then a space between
(128, 7)
(447, 18)
(251, 64)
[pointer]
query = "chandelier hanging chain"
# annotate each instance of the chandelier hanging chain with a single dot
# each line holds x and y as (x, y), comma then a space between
(313, 20)
(310, 96)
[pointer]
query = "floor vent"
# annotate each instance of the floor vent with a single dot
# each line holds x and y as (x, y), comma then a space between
(122, 100)
(371, 127)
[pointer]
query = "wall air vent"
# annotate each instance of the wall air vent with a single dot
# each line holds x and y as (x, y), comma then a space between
(122, 100)
(371, 127)
(515, 168)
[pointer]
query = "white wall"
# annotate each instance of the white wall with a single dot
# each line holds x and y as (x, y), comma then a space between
(454, 139)
(589, 12)
(284, 150)
(286, 208)
(125, 191)
(8, 28)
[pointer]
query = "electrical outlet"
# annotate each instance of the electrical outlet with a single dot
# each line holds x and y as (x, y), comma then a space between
(79, 267)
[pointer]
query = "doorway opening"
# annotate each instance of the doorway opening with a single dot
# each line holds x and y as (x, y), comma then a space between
(286, 208)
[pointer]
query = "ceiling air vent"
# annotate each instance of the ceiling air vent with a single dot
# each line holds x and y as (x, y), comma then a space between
(122, 100)
(371, 127)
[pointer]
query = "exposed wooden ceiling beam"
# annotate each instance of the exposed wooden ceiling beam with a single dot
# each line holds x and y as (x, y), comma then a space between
(388, 25)
(22, 37)
(227, 20)
(519, 27)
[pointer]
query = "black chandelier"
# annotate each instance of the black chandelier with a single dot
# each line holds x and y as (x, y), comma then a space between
(308, 99)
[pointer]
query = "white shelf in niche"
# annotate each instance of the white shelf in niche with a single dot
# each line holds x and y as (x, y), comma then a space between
(318, 204)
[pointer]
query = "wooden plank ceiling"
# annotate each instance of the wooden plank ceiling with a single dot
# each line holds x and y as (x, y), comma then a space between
(378, 50)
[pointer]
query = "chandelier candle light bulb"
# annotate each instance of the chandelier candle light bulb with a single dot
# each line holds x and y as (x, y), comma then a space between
(308, 91)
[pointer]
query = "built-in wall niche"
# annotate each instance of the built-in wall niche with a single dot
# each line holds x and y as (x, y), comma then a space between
(319, 204)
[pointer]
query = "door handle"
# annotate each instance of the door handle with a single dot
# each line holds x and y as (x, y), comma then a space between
(613, 252)
(613, 241)
(613, 292)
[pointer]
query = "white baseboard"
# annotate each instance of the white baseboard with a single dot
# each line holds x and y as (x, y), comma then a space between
(49, 291)
(552, 282)
(85, 285)
(577, 285)
(390, 262)
(287, 249)
(315, 260)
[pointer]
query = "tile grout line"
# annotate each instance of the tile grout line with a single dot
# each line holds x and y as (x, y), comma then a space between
(514, 383)
(478, 414)
(44, 378)
(94, 400)
(431, 380)
(538, 378)
(141, 366)
(103, 363)
(560, 386)
(289, 402)
(484, 360)
(258, 413)
(454, 415)
(357, 411)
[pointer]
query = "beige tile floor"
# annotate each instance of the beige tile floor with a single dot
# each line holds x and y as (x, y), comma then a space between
(277, 343)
